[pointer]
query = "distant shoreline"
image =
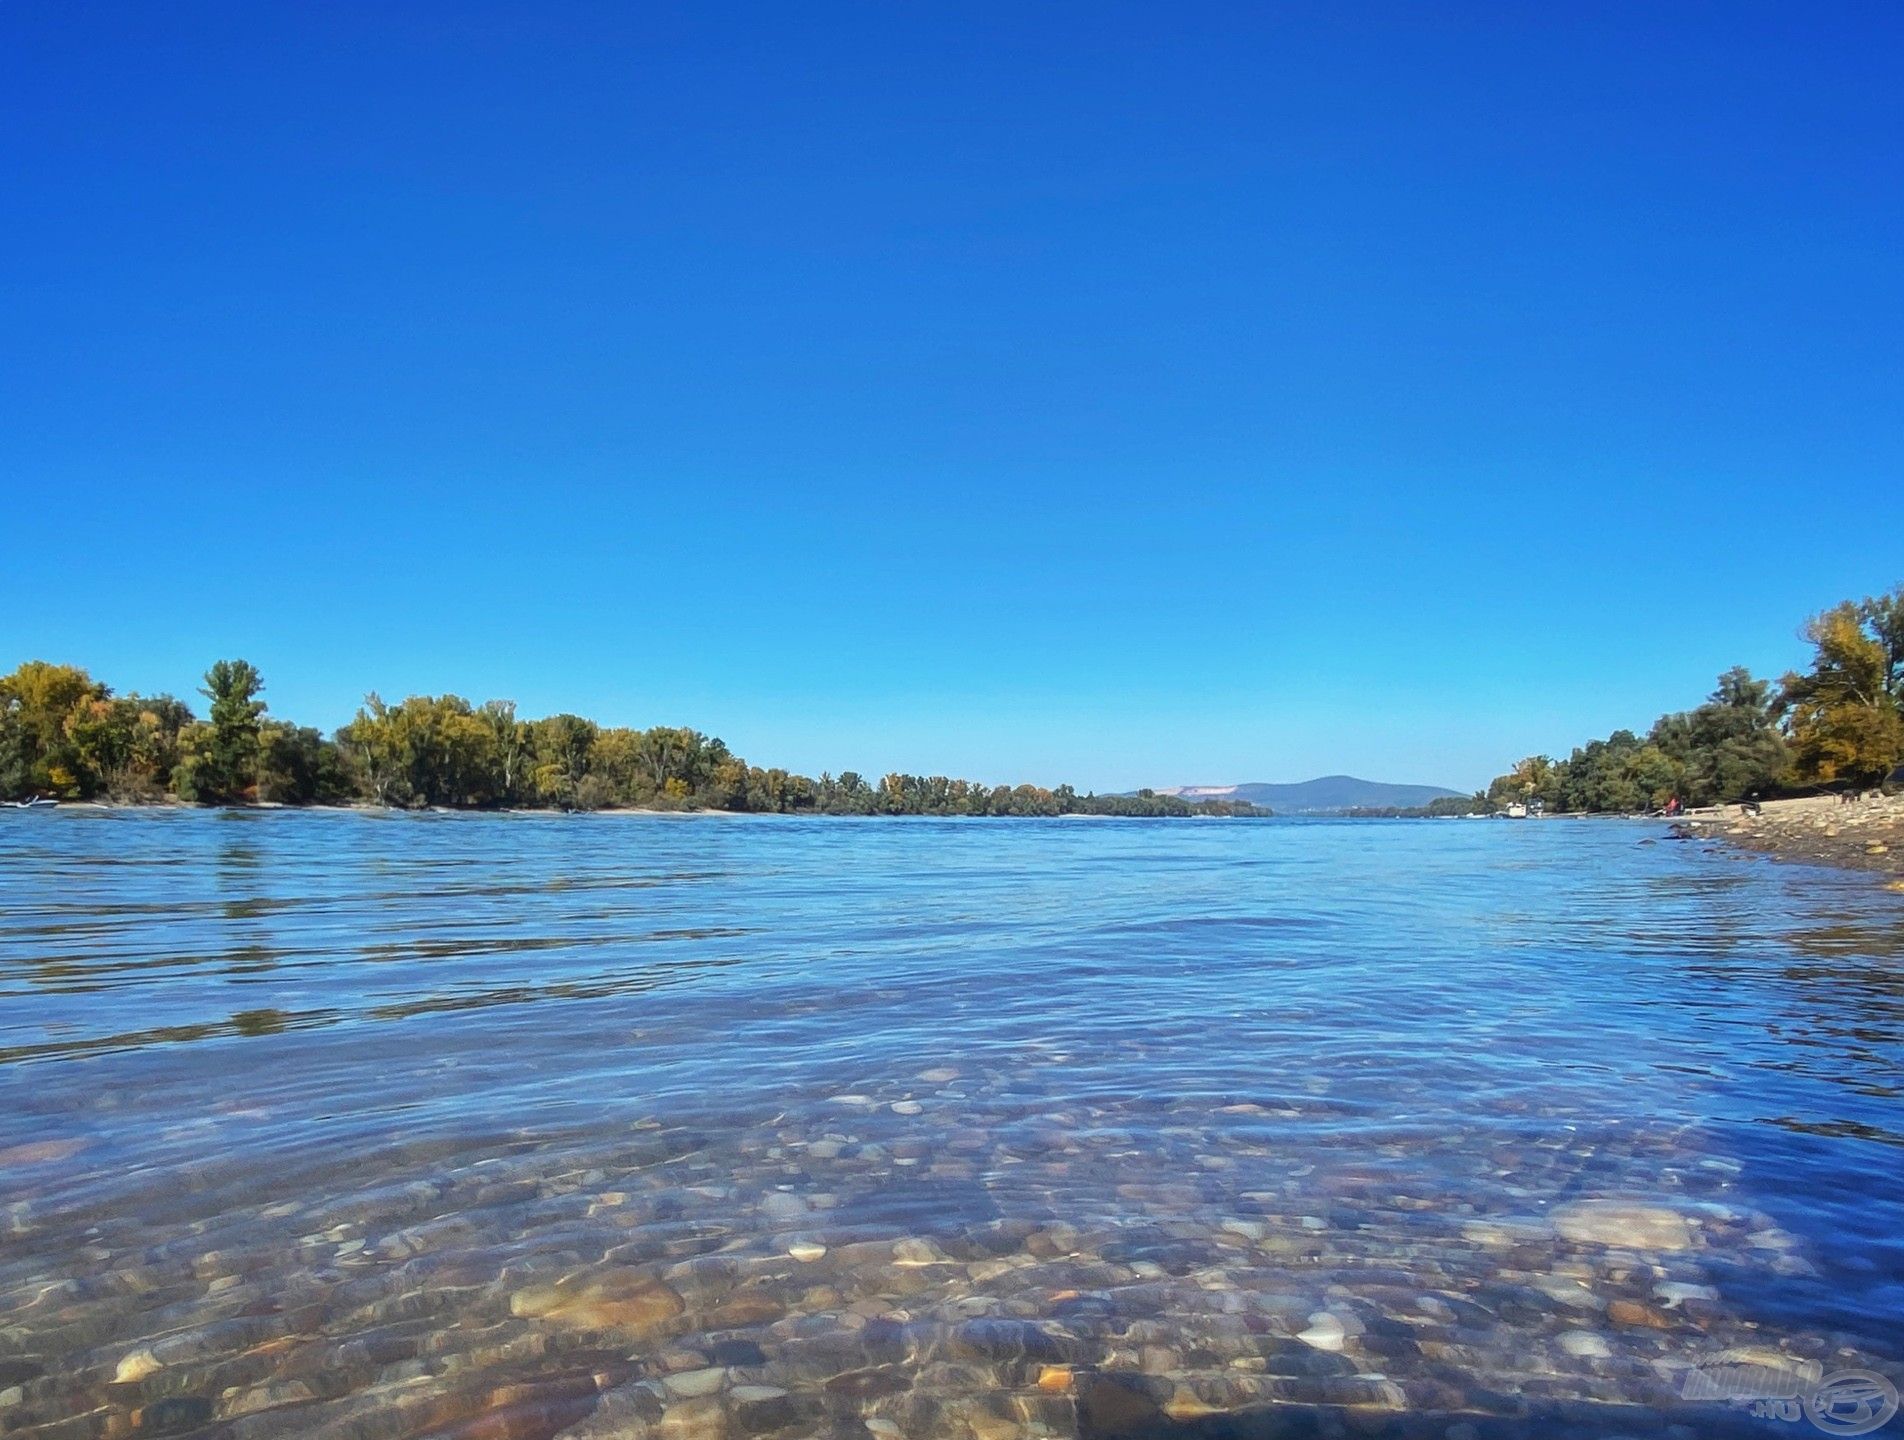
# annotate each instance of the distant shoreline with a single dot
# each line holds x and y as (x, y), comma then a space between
(269, 807)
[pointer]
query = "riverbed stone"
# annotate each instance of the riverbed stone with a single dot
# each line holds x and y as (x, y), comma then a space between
(1325, 1332)
(615, 1300)
(1623, 1225)
(135, 1367)
(1584, 1345)
(780, 1207)
(692, 1384)
(1634, 1316)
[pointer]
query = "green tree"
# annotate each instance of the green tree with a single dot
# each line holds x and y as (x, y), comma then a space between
(1731, 746)
(429, 750)
(561, 746)
(298, 766)
(376, 751)
(509, 744)
(616, 758)
(221, 761)
(1529, 780)
(1883, 617)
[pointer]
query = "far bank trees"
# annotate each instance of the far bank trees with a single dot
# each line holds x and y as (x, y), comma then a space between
(63, 734)
(1837, 724)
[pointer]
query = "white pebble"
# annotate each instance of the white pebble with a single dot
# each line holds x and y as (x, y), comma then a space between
(691, 1384)
(1325, 1332)
(136, 1366)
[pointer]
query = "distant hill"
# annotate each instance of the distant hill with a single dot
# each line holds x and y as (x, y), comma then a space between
(1323, 796)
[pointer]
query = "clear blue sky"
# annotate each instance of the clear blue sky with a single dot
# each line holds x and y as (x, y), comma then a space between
(1122, 394)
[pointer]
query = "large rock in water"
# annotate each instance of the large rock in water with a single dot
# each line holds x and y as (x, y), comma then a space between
(602, 1300)
(1623, 1225)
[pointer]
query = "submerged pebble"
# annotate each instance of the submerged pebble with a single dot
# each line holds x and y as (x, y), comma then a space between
(1623, 1224)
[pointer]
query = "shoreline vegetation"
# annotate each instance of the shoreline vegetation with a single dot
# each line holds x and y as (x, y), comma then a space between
(1834, 729)
(64, 735)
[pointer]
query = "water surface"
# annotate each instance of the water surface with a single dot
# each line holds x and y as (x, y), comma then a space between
(352, 1124)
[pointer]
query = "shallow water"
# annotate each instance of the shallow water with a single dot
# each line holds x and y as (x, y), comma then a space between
(357, 1125)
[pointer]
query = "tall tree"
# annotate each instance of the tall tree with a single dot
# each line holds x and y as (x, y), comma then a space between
(509, 739)
(561, 750)
(224, 764)
(1844, 712)
(1883, 616)
(1730, 746)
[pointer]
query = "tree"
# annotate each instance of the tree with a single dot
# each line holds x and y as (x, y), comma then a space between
(680, 764)
(1883, 617)
(298, 766)
(371, 741)
(37, 752)
(99, 735)
(159, 728)
(1843, 713)
(509, 741)
(449, 752)
(221, 764)
(1733, 744)
(430, 750)
(616, 759)
(1528, 780)
(561, 746)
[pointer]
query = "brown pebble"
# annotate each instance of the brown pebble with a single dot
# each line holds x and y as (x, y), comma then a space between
(41, 1152)
(737, 1311)
(1634, 1315)
(614, 1300)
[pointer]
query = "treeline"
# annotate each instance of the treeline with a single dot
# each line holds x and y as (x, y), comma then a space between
(1837, 725)
(64, 735)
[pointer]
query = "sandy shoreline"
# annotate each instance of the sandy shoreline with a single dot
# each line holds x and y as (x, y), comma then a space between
(1816, 830)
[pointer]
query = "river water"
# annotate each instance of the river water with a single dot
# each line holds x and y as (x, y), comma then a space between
(515, 1126)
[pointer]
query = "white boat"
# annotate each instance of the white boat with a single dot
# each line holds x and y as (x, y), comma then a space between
(38, 802)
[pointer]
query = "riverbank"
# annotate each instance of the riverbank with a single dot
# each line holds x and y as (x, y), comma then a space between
(1816, 830)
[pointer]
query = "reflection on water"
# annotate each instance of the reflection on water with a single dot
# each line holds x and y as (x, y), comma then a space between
(520, 1126)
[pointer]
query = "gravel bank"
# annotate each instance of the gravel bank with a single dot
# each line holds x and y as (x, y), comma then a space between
(1819, 830)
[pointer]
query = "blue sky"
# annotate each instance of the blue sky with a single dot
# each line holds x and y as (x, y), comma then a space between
(1122, 394)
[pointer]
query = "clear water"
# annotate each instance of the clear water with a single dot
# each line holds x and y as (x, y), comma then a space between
(341, 1124)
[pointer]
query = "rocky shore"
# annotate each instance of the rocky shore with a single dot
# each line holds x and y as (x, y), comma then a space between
(1865, 834)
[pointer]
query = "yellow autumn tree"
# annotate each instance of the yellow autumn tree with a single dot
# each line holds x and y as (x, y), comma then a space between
(1843, 713)
(37, 702)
